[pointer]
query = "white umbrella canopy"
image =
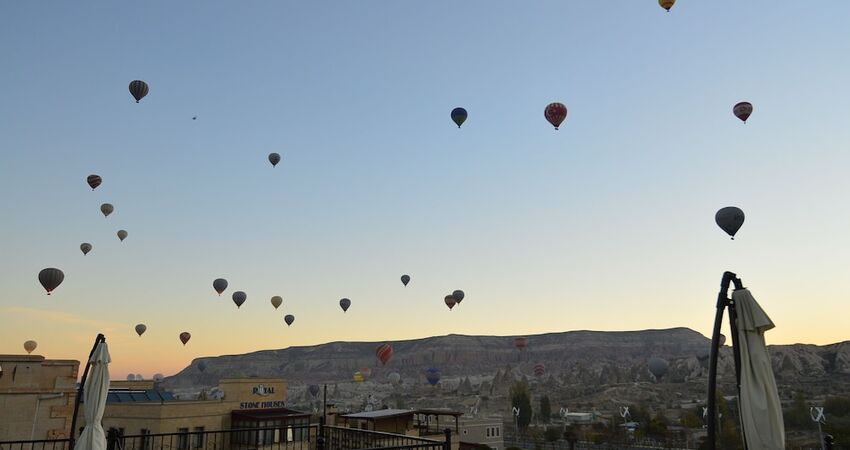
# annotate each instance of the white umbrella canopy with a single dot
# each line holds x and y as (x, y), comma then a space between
(94, 397)
(761, 411)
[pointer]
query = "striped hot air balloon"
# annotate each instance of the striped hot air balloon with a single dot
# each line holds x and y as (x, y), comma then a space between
(138, 89)
(539, 370)
(384, 353)
(94, 181)
(555, 113)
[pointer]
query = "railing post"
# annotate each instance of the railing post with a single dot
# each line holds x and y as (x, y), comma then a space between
(320, 439)
(111, 439)
(448, 444)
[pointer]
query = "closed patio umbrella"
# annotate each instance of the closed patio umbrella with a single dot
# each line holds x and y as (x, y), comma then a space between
(95, 390)
(761, 411)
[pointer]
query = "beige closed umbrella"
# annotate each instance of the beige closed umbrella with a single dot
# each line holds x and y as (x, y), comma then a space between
(94, 396)
(761, 411)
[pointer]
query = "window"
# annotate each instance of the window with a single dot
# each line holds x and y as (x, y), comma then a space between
(198, 437)
(498, 431)
(488, 431)
(182, 439)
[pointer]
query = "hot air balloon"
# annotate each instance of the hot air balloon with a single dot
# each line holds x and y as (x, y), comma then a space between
(657, 367)
(194, 117)
(277, 301)
(131, 377)
(384, 353)
(158, 377)
(358, 377)
(722, 340)
(138, 89)
(94, 181)
(289, 318)
(344, 304)
(50, 278)
(219, 284)
(394, 378)
(730, 219)
(459, 116)
(313, 389)
(366, 372)
(743, 110)
(274, 158)
(85, 247)
(405, 279)
(458, 295)
(555, 113)
(432, 375)
(202, 365)
(450, 301)
(139, 377)
(106, 209)
(520, 343)
(184, 337)
(30, 346)
(140, 329)
(122, 234)
(539, 370)
(666, 4)
(239, 298)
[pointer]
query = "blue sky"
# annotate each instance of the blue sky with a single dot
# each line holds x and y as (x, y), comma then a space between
(605, 224)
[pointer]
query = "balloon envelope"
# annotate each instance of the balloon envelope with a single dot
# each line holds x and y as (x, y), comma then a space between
(29, 346)
(138, 89)
(94, 181)
(274, 158)
(743, 110)
(450, 301)
(658, 367)
(358, 377)
(405, 279)
(184, 337)
(219, 284)
(344, 304)
(394, 378)
(666, 4)
(106, 209)
(50, 278)
(85, 247)
(289, 318)
(432, 375)
(384, 352)
(202, 365)
(459, 116)
(555, 113)
(313, 389)
(458, 295)
(277, 301)
(122, 234)
(730, 219)
(239, 298)
(141, 328)
(539, 370)
(158, 377)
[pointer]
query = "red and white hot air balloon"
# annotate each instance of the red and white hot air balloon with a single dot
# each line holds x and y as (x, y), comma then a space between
(555, 113)
(384, 352)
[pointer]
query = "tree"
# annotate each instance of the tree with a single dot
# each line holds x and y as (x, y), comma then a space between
(571, 436)
(521, 399)
(545, 409)
(552, 434)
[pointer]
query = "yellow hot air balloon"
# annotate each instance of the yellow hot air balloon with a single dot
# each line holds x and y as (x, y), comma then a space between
(358, 377)
(667, 4)
(29, 346)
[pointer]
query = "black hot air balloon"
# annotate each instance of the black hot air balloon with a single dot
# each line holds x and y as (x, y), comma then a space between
(94, 181)
(458, 295)
(459, 116)
(658, 367)
(730, 219)
(743, 110)
(184, 337)
(289, 318)
(405, 279)
(138, 89)
(313, 389)
(219, 284)
(106, 209)
(345, 304)
(274, 158)
(50, 278)
(450, 301)
(85, 247)
(239, 298)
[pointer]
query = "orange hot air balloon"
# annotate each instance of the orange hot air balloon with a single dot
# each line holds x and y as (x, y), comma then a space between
(384, 353)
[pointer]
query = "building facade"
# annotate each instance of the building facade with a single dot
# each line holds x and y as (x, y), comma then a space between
(487, 432)
(37, 397)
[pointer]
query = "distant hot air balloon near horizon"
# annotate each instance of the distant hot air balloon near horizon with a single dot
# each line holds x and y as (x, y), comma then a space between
(219, 284)
(50, 278)
(555, 113)
(730, 219)
(131, 377)
(458, 296)
(520, 343)
(459, 116)
(743, 110)
(313, 389)
(277, 301)
(140, 329)
(666, 4)
(85, 247)
(202, 365)
(106, 209)
(432, 375)
(239, 298)
(358, 377)
(366, 372)
(394, 378)
(539, 370)
(138, 89)
(289, 318)
(450, 301)
(158, 377)
(94, 181)
(344, 304)
(274, 158)
(122, 234)
(405, 279)
(657, 367)
(184, 337)
(384, 352)
(30, 346)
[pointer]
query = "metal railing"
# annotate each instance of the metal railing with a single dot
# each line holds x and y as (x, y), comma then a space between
(342, 438)
(45, 444)
(301, 437)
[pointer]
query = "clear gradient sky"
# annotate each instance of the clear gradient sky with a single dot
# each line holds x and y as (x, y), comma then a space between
(607, 224)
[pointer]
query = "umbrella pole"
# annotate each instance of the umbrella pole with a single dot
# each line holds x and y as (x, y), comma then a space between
(722, 303)
(736, 350)
(100, 338)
